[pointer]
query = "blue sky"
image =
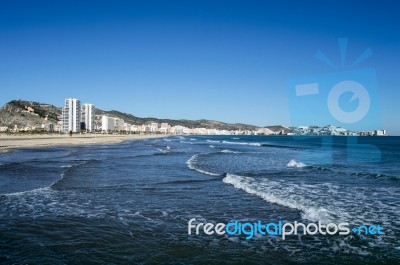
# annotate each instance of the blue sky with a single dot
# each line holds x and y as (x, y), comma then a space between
(221, 60)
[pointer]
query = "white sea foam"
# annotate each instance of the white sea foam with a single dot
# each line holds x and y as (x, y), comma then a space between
(55, 182)
(139, 214)
(164, 213)
(193, 139)
(230, 151)
(191, 164)
(28, 192)
(162, 150)
(211, 146)
(274, 192)
(37, 190)
(242, 143)
(294, 163)
(213, 141)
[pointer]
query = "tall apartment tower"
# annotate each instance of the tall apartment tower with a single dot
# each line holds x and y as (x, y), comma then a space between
(88, 116)
(71, 115)
(107, 124)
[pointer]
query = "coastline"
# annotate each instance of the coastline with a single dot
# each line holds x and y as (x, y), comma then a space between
(11, 142)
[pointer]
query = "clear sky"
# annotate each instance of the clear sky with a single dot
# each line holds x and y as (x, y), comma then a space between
(221, 60)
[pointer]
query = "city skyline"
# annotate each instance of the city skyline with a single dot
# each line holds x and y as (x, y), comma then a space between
(86, 115)
(226, 61)
(77, 118)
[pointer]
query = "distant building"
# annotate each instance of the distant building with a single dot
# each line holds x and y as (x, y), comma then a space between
(152, 127)
(134, 129)
(107, 124)
(88, 117)
(178, 129)
(164, 125)
(71, 115)
(119, 124)
(380, 132)
(164, 128)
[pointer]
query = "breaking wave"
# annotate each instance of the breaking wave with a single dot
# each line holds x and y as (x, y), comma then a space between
(294, 163)
(191, 164)
(242, 143)
(230, 151)
(236, 143)
(274, 192)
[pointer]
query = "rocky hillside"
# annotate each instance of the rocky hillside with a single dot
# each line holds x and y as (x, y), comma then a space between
(33, 114)
(279, 128)
(28, 113)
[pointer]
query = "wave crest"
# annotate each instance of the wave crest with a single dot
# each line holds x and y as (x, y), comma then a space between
(269, 194)
(294, 163)
(192, 165)
(230, 151)
(242, 143)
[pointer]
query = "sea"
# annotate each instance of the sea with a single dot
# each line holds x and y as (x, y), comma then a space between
(130, 203)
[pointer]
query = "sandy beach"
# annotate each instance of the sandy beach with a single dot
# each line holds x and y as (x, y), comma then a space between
(9, 142)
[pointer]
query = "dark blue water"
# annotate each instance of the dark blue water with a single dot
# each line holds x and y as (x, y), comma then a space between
(130, 203)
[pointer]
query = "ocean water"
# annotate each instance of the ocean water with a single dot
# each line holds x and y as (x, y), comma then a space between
(130, 203)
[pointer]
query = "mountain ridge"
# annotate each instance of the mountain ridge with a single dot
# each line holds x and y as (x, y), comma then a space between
(35, 116)
(23, 113)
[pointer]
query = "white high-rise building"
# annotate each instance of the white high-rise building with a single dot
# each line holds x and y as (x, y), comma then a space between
(107, 124)
(118, 124)
(88, 116)
(71, 115)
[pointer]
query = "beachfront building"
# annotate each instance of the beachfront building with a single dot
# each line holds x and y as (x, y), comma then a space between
(107, 124)
(380, 132)
(118, 124)
(178, 129)
(152, 127)
(164, 127)
(88, 117)
(142, 128)
(135, 129)
(71, 115)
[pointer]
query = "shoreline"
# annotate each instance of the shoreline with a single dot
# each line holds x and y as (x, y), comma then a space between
(11, 142)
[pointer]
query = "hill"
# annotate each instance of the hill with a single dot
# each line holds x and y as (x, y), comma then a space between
(33, 114)
(279, 129)
(28, 114)
(209, 124)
